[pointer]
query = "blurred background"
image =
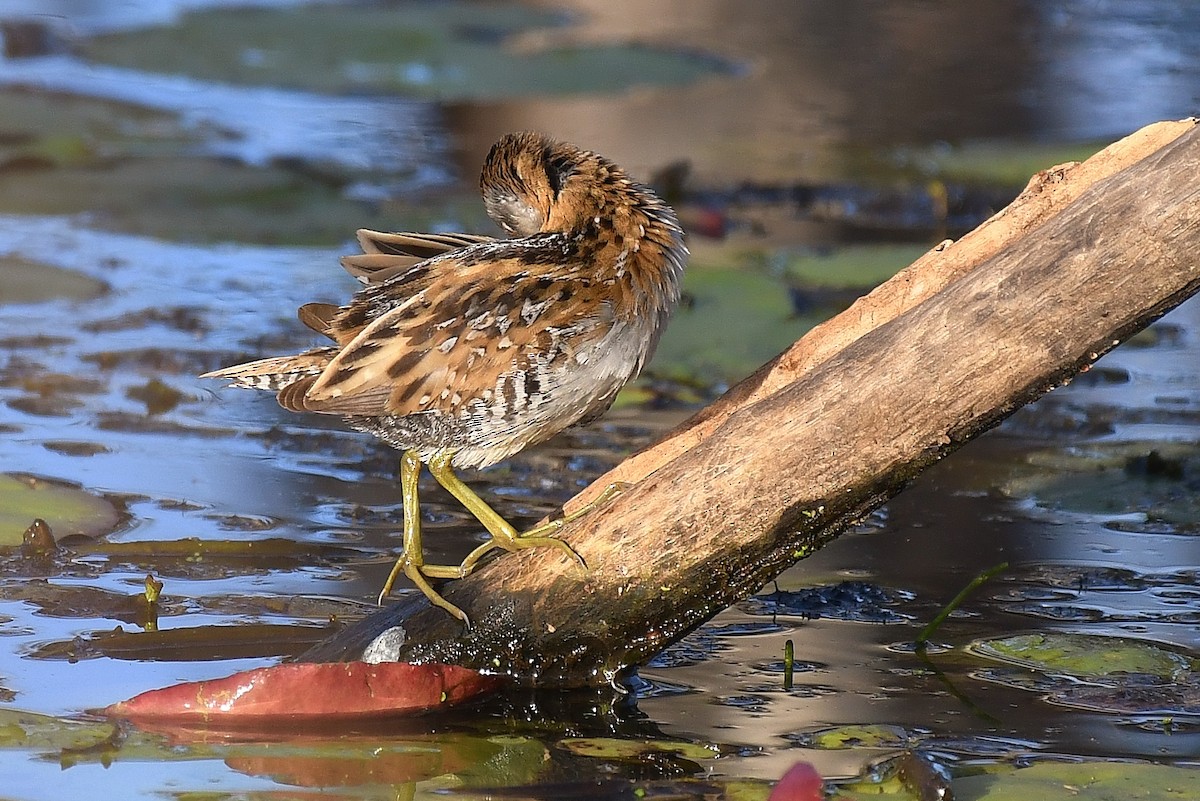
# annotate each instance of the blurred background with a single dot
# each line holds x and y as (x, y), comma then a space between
(177, 176)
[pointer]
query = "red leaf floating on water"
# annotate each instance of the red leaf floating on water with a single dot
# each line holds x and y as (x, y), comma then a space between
(800, 783)
(309, 690)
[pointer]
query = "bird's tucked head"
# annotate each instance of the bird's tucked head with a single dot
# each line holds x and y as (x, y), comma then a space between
(532, 183)
(524, 179)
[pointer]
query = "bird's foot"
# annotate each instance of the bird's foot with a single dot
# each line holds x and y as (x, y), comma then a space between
(517, 543)
(538, 536)
(419, 574)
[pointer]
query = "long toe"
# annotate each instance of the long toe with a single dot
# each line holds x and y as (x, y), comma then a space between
(520, 542)
(417, 573)
(417, 577)
(472, 560)
(401, 566)
(536, 541)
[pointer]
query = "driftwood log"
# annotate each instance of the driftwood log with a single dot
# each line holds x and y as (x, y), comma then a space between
(1086, 256)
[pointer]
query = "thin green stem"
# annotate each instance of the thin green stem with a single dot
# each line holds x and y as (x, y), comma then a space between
(935, 624)
(789, 664)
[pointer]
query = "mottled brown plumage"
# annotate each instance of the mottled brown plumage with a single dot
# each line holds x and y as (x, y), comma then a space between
(462, 350)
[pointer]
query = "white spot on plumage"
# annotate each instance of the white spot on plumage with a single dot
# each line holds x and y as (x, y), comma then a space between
(530, 311)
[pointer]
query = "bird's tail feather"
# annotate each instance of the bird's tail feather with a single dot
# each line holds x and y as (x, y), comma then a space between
(276, 372)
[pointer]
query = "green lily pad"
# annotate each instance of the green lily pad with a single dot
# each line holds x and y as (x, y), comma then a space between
(449, 50)
(614, 748)
(47, 129)
(995, 163)
(1158, 479)
(1081, 781)
(837, 738)
(869, 789)
(1003, 163)
(370, 762)
(905, 776)
(1084, 654)
(744, 306)
(735, 320)
(133, 169)
(298, 757)
(854, 266)
(69, 510)
(33, 282)
(746, 790)
(30, 730)
(192, 198)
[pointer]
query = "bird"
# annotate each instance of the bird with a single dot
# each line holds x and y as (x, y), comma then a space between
(461, 350)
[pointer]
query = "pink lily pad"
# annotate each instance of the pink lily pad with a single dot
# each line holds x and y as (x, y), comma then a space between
(309, 691)
(800, 783)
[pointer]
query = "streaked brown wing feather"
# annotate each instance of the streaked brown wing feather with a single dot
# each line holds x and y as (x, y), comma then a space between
(291, 397)
(442, 347)
(375, 268)
(319, 317)
(386, 255)
(422, 246)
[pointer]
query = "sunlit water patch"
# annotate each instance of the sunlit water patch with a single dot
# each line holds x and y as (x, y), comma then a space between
(261, 124)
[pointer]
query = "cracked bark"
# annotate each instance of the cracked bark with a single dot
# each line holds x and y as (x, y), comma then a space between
(1086, 256)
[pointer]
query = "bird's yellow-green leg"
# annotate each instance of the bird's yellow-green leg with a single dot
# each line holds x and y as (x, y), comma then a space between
(412, 562)
(503, 534)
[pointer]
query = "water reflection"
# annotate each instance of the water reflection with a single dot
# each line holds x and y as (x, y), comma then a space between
(1114, 64)
(823, 78)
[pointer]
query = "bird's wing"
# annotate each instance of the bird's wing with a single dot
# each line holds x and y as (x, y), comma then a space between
(386, 255)
(479, 326)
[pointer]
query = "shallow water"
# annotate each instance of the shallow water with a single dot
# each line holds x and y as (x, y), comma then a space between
(201, 211)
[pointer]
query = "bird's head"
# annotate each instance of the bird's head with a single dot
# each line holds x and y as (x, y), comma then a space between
(532, 183)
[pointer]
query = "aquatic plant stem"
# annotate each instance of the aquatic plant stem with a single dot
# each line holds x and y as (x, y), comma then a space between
(940, 618)
(789, 664)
